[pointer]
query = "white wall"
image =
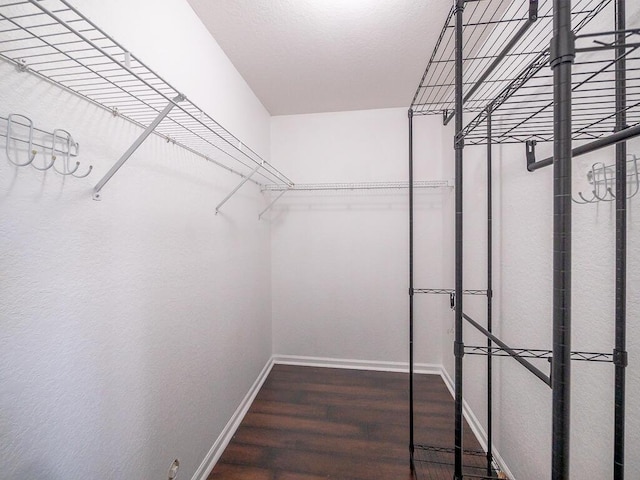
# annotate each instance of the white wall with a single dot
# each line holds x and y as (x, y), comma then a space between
(132, 327)
(340, 259)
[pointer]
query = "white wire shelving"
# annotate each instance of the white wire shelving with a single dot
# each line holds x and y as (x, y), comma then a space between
(52, 39)
(356, 186)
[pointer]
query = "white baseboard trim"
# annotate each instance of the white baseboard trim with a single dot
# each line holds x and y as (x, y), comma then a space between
(232, 425)
(424, 368)
(475, 425)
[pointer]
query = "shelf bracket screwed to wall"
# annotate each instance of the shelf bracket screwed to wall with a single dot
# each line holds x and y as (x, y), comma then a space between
(273, 202)
(148, 131)
(244, 180)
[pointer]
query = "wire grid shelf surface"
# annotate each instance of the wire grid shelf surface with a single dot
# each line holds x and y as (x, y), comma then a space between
(527, 114)
(447, 291)
(54, 40)
(519, 90)
(436, 463)
(358, 186)
(537, 353)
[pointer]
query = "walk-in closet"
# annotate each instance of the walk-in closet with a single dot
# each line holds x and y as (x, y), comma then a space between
(355, 239)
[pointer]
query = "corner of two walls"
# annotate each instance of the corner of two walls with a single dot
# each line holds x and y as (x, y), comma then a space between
(340, 258)
(131, 327)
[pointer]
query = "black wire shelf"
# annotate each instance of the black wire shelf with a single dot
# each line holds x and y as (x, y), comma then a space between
(488, 29)
(436, 463)
(447, 291)
(527, 114)
(518, 90)
(537, 353)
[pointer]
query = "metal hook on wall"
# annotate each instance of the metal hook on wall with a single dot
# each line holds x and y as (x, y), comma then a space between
(67, 141)
(62, 143)
(603, 179)
(32, 152)
(597, 183)
(632, 178)
(591, 177)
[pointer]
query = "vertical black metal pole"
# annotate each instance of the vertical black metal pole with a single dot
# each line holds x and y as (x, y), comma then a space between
(458, 146)
(489, 295)
(620, 352)
(411, 439)
(562, 56)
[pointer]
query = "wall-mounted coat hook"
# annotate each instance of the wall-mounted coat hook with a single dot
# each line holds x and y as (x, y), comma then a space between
(47, 166)
(603, 178)
(632, 178)
(62, 143)
(596, 195)
(11, 119)
(69, 149)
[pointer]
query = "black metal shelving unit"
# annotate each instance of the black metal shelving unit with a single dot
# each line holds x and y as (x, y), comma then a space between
(530, 63)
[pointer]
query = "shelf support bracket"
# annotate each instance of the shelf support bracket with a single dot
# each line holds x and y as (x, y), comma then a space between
(244, 180)
(148, 131)
(273, 202)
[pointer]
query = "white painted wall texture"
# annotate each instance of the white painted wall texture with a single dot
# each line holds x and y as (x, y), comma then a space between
(340, 259)
(133, 327)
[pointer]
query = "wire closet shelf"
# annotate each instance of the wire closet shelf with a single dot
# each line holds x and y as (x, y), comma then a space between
(512, 80)
(434, 184)
(53, 40)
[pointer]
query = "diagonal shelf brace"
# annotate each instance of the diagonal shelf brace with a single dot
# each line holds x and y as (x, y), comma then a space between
(148, 131)
(273, 202)
(244, 180)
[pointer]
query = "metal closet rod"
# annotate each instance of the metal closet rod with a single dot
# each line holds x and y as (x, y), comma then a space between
(510, 351)
(612, 139)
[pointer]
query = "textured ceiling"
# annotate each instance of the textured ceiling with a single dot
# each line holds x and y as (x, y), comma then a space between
(308, 56)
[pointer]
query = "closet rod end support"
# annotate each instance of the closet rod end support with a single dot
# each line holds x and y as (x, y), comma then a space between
(530, 146)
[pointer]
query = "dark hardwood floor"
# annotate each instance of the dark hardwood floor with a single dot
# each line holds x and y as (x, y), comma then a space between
(322, 423)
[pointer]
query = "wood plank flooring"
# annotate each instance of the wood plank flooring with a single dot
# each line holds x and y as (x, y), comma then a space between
(311, 423)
